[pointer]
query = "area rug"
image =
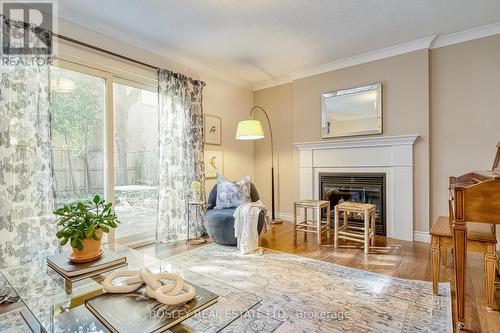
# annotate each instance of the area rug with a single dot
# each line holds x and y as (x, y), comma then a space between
(306, 295)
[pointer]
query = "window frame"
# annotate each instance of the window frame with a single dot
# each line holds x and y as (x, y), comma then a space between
(109, 78)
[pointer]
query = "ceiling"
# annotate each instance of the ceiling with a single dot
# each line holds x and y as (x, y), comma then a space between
(257, 40)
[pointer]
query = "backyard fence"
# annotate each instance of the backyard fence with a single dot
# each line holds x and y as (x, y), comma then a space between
(73, 177)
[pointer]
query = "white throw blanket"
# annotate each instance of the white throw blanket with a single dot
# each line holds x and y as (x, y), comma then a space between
(246, 221)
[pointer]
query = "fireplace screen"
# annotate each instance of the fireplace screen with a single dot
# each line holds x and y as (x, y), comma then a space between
(357, 187)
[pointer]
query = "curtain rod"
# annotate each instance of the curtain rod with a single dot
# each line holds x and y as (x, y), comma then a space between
(71, 40)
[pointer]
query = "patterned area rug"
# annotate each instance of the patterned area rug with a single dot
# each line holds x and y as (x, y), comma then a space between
(12, 321)
(305, 295)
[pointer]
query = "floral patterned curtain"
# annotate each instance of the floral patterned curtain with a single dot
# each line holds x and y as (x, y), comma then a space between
(181, 152)
(26, 183)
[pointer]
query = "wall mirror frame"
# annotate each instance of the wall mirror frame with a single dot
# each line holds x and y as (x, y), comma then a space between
(352, 112)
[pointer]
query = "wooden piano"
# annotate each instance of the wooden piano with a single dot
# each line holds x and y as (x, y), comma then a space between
(474, 197)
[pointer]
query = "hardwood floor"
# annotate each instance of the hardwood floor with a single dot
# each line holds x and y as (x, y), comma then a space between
(409, 260)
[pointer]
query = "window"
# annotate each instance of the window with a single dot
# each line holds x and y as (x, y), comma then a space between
(106, 148)
(135, 118)
(78, 105)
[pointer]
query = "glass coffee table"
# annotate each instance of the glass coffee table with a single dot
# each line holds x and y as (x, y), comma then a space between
(52, 304)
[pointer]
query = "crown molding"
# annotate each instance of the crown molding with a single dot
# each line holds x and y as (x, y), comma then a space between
(277, 81)
(431, 42)
(387, 52)
(467, 35)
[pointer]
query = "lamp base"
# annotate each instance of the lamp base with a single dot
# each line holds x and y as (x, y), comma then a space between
(276, 221)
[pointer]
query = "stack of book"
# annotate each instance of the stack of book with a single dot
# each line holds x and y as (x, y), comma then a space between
(135, 312)
(132, 312)
(75, 272)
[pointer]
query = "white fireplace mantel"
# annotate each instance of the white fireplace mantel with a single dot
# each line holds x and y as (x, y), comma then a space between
(392, 155)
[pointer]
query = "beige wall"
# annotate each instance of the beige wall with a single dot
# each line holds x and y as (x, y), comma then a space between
(464, 125)
(405, 107)
(465, 112)
(278, 103)
(230, 101)
(450, 96)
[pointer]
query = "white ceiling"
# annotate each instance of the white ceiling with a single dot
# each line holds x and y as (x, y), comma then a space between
(257, 40)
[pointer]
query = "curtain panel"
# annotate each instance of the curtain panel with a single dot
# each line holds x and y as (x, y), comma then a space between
(26, 180)
(181, 153)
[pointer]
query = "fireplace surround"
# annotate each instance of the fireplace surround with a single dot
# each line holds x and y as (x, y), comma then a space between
(390, 155)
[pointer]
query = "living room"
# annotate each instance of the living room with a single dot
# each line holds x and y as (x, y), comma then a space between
(302, 166)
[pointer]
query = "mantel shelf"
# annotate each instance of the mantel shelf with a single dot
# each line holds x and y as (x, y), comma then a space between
(366, 141)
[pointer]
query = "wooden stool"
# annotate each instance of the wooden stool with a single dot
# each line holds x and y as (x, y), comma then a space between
(316, 225)
(480, 238)
(365, 234)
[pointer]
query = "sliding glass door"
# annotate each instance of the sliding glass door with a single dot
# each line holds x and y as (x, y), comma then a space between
(78, 106)
(135, 118)
(105, 141)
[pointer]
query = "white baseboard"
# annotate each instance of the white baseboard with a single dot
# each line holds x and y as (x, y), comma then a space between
(286, 217)
(418, 236)
(421, 236)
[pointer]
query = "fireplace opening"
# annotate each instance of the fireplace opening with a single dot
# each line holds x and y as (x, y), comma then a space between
(356, 187)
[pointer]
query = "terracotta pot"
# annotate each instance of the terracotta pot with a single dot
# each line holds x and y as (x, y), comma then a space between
(91, 250)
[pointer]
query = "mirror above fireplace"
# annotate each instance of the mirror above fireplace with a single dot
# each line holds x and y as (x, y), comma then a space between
(349, 112)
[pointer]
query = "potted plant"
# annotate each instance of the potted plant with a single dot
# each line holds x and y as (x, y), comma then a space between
(82, 225)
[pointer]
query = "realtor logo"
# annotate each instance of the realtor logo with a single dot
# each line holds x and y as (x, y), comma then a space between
(20, 40)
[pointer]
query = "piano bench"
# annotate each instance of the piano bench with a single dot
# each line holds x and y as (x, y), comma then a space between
(480, 238)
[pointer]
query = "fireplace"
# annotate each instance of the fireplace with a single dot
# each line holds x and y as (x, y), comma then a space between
(357, 187)
(377, 154)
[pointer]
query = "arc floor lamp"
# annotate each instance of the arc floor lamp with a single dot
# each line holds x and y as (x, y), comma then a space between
(251, 129)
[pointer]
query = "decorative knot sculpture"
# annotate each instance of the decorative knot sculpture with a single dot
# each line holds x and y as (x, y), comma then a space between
(166, 294)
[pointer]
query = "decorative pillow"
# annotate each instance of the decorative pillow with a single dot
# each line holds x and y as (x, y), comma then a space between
(232, 194)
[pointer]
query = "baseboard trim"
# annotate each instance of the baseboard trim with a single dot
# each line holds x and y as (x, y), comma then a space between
(421, 236)
(285, 216)
(418, 236)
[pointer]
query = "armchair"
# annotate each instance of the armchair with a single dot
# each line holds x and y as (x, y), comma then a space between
(220, 222)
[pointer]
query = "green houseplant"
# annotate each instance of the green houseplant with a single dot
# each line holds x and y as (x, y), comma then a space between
(82, 225)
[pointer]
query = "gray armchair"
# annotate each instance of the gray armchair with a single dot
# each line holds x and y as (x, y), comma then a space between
(220, 222)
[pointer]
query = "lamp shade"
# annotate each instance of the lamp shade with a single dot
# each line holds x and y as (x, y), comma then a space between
(250, 129)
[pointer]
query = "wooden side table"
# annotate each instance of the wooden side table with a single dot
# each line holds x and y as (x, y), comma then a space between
(317, 225)
(365, 234)
(480, 238)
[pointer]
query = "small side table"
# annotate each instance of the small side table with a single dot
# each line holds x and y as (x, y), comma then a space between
(197, 211)
(317, 225)
(365, 234)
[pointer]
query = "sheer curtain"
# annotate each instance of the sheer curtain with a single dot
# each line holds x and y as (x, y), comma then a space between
(180, 152)
(26, 183)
